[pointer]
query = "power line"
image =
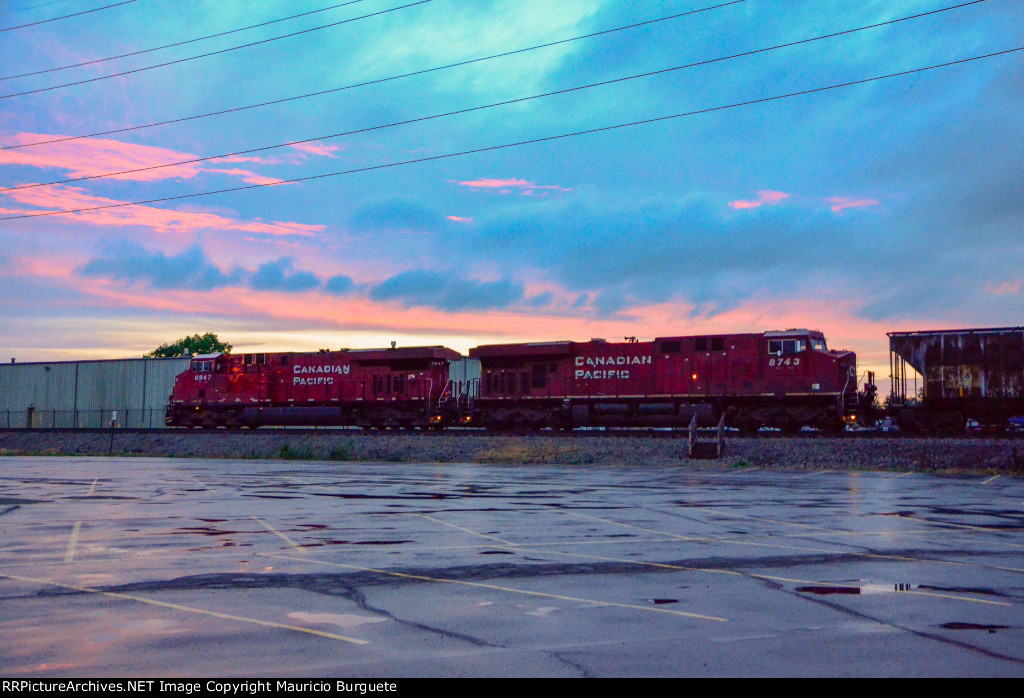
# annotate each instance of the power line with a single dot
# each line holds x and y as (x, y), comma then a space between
(76, 14)
(180, 43)
(492, 105)
(32, 7)
(212, 53)
(376, 81)
(516, 144)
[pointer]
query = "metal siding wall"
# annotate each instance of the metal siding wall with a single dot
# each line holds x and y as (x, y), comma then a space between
(140, 385)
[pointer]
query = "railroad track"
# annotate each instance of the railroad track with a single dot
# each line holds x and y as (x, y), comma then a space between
(580, 433)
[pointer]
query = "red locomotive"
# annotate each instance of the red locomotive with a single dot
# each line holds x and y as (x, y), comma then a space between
(408, 388)
(785, 380)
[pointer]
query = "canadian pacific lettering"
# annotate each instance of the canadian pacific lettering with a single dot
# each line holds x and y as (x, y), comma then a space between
(300, 377)
(617, 373)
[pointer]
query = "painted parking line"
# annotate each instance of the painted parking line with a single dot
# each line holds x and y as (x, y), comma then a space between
(187, 609)
(93, 488)
(69, 556)
(994, 477)
(817, 472)
(496, 587)
(285, 538)
(466, 530)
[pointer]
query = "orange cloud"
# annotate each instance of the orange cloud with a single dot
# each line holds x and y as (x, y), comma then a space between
(838, 203)
(158, 219)
(766, 196)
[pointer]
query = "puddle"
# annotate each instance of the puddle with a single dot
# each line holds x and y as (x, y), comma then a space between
(663, 601)
(823, 589)
(973, 626)
(495, 552)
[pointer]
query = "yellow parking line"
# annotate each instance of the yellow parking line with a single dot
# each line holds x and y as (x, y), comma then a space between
(93, 488)
(70, 554)
(496, 587)
(188, 609)
(991, 479)
(286, 539)
(466, 530)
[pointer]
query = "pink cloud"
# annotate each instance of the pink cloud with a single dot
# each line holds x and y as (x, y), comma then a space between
(316, 148)
(89, 157)
(459, 219)
(1003, 289)
(158, 219)
(93, 156)
(766, 196)
(505, 186)
(249, 177)
(838, 203)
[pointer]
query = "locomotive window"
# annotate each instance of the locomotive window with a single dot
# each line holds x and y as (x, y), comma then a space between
(818, 345)
(786, 346)
(539, 377)
(700, 344)
(672, 347)
(717, 344)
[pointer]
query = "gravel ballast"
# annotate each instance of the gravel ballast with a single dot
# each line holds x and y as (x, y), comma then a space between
(892, 453)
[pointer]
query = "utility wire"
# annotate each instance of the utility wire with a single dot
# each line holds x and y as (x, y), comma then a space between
(76, 14)
(484, 106)
(32, 7)
(212, 53)
(516, 144)
(376, 81)
(180, 43)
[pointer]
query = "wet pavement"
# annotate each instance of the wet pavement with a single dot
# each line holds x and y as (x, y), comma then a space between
(177, 567)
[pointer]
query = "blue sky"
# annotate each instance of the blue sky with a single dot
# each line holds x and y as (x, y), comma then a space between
(891, 205)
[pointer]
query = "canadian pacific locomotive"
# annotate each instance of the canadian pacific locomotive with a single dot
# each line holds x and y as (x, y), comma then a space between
(409, 387)
(786, 380)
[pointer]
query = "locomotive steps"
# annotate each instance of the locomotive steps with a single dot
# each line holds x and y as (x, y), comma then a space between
(825, 453)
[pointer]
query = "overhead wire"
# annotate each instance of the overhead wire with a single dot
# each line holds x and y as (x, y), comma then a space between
(376, 81)
(33, 7)
(213, 53)
(491, 105)
(75, 14)
(180, 43)
(532, 141)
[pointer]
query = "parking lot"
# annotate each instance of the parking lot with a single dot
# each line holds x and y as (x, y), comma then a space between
(179, 567)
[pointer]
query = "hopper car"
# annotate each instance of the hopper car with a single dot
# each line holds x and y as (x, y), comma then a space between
(967, 374)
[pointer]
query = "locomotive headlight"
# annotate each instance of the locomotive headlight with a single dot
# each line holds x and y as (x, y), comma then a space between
(694, 376)
(435, 419)
(467, 419)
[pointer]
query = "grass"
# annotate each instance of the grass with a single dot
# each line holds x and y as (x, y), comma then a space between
(520, 452)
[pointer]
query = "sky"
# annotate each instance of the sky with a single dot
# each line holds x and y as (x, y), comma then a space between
(704, 198)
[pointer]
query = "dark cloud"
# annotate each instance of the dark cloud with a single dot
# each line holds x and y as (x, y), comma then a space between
(131, 263)
(278, 275)
(338, 285)
(451, 292)
(398, 214)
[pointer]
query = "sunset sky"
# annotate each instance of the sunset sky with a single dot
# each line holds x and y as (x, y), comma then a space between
(893, 204)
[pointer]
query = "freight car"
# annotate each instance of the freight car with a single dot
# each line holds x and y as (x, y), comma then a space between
(975, 374)
(784, 379)
(409, 387)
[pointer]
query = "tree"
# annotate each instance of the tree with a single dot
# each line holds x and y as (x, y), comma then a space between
(196, 344)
